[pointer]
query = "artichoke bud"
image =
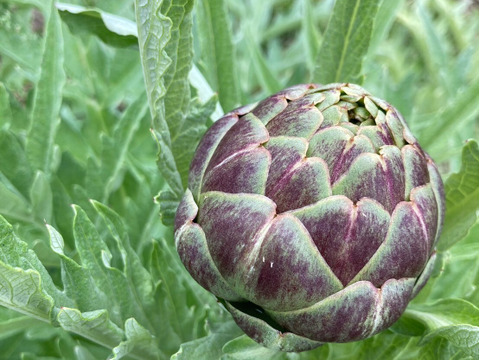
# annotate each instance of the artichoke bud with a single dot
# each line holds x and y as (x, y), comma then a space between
(312, 215)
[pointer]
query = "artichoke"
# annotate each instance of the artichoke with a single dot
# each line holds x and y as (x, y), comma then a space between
(312, 216)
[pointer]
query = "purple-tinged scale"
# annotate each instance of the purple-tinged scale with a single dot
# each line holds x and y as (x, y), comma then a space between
(187, 210)
(366, 177)
(424, 198)
(331, 98)
(205, 150)
(297, 91)
(305, 184)
(267, 109)
(195, 255)
(394, 170)
(286, 152)
(288, 245)
(346, 234)
(332, 116)
(370, 106)
(375, 134)
(405, 249)
(439, 191)
(264, 333)
(248, 132)
(416, 168)
(297, 120)
(231, 223)
(243, 172)
(364, 311)
(396, 127)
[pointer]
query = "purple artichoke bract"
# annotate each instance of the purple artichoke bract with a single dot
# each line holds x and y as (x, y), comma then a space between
(312, 215)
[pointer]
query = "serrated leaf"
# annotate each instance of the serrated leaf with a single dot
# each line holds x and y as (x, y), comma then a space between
(188, 137)
(20, 290)
(77, 281)
(168, 202)
(444, 312)
(94, 325)
(463, 337)
(217, 51)
(461, 192)
(117, 287)
(112, 29)
(157, 44)
(346, 40)
(48, 98)
(105, 177)
(137, 278)
(210, 346)
(182, 302)
(452, 319)
(140, 341)
(14, 252)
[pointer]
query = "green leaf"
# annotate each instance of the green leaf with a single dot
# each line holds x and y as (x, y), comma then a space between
(168, 202)
(6, 117)
(188, 137)
(14, 165)
(14, 252)
(21, 290)
(181, 301)
(452, 319)
(94, 325)
(460, 273)
(204, 91)
(217, 51)
(310, 32)
(165, 39)
(77, 281)
(136, 277)
(244, 348)
(40, 146)
(16, 325)
(13, 204)
(41, 197)
(105, 178)
(383, 21)
(139, 341)
(261, 67)
(457, 114)
(112, 29)
(346, 41)
(117, 272)
(462, 337)
(210, 347)
(461, 192)
(443, 312)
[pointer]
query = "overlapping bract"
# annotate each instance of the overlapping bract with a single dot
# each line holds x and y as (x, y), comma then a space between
(313, 215)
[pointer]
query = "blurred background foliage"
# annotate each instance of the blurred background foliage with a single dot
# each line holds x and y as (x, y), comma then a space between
(423, 59)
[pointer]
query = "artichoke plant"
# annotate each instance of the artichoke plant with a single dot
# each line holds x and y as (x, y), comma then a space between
(312, 216)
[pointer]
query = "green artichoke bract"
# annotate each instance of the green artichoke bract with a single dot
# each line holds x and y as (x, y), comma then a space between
(312, 215)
